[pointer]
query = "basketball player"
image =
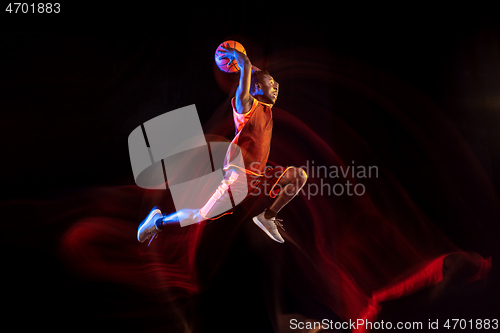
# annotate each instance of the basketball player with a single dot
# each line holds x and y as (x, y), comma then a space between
(252, 112)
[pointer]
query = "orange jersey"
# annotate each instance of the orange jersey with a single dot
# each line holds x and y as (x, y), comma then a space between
(253, 136)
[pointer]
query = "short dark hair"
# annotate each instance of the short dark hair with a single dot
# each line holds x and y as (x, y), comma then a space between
(257, 76)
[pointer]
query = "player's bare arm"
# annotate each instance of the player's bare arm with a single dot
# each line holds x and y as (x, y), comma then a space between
(243, 99)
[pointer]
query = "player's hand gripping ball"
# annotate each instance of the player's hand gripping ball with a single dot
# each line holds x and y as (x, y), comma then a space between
(224, 57)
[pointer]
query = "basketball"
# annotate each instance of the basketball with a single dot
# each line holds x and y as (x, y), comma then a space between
(225, 64)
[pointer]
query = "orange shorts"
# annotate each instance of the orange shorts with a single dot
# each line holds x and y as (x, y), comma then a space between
(237, 187)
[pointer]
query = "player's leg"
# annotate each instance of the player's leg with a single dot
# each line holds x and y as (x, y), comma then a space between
(289, 184)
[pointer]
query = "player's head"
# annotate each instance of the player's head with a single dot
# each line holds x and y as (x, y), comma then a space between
(263, 87)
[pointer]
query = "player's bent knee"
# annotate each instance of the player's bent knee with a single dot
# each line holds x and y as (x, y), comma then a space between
(303, 174)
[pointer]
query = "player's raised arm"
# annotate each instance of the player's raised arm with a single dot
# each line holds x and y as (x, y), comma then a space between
(243, 99)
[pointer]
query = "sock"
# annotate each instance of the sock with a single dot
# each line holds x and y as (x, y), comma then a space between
(268, 214)
(159, 224)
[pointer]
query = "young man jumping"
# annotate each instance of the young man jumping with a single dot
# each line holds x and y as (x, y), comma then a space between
(252, 112)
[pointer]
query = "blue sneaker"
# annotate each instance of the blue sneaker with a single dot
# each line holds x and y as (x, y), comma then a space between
(151, 226)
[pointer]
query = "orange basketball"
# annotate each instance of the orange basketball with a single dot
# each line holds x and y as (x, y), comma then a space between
(227, 65)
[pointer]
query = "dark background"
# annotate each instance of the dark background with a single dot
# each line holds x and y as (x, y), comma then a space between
(75, 84)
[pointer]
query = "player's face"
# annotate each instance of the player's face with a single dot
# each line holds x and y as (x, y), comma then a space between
(268, 89)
